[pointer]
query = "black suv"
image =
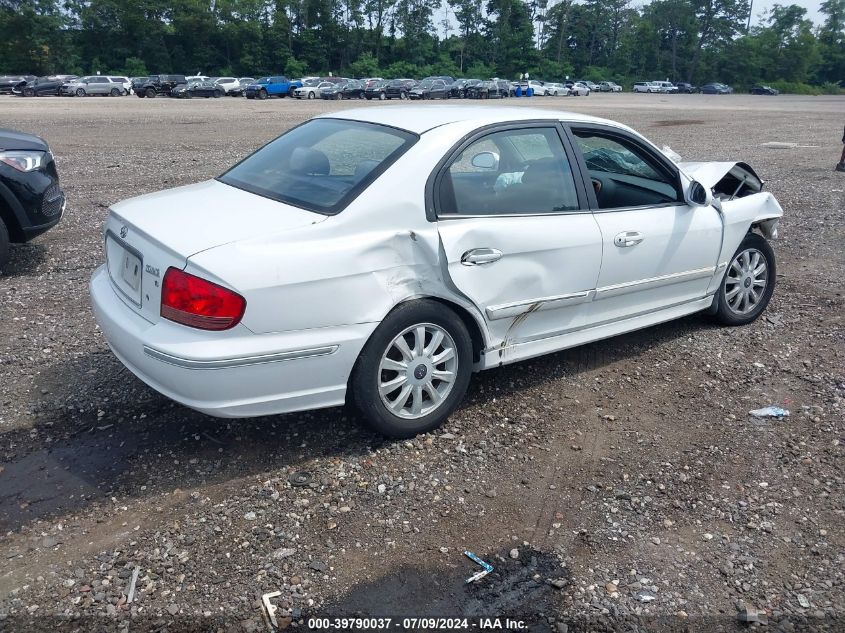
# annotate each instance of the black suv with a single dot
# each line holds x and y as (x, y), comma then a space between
(31, 200)
(159, 85)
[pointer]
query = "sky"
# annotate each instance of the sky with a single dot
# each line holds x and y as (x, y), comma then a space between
(812, 7)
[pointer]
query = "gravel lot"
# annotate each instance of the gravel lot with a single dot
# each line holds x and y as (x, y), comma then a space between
(620, 481)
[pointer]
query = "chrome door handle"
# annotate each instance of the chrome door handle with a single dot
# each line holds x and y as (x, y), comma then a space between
(481, 256)
(628, 238)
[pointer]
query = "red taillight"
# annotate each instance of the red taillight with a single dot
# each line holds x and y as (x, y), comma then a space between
(193, 301)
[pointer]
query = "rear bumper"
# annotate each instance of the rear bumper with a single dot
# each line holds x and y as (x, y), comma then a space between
(235, 373)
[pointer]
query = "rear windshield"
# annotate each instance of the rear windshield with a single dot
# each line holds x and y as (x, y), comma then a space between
(321, 165)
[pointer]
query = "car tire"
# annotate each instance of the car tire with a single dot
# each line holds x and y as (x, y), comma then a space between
(28, 92)
(114, 92)
(311, 95)
(404, 322)
(187, 95)
(80, 92)
(403, 95)
(151, 93)
(217, 94)
(741, 277)
(361, 96)
(262, 94)
(5, 252)
(382, 96)
(140, 95)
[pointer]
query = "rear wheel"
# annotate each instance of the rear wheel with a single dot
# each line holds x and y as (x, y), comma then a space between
(748, 283)
(382, 96)
(150, 92)
(80, 92)
(414, 370)
(115, 92)
(4, 246)
(262, 94)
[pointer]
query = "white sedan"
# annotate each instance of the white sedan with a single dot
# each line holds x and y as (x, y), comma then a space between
(383, 254)
(579, 89)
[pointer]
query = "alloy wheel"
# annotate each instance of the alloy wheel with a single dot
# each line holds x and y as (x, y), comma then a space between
(418, 371)
(746, 281)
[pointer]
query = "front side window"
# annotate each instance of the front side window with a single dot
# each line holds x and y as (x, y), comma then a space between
(522, 171)
(623, 173)
(321, 165)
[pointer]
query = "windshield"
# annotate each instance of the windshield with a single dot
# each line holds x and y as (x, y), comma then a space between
(321, 165)
(263, 80)
(425, 84)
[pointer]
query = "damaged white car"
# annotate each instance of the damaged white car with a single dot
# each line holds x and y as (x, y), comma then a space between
(384, 254)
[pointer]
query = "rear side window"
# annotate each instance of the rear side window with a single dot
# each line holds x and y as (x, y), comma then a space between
(512, 172)
(321, 165)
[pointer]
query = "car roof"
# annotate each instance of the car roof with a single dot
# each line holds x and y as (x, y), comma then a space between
(419, 119)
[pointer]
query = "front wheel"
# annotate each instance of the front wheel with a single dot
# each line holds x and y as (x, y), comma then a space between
(151, 93)
(748, 283)
(80, 92)
(311, 95)
(262, 94)
(114, 92)
(382, 96)
(414, 370)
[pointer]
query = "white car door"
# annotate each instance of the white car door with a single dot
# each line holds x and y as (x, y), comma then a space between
(657, 250)
(519, 240)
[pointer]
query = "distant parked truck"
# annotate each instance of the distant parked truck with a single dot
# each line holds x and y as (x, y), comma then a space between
(159, 84)
(278, 86)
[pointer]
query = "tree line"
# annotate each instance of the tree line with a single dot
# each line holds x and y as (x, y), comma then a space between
(682, 40)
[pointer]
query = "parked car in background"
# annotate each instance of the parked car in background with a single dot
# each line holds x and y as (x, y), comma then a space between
(39, 87)
(8, 82)
(482, 90)
(137, 82)
(197, 88)
(665, 87)
(579, 89)
(504, 87)
(398, 88)
(124, 83)
(370, 81)
(159, 85)
(592, 86)
(243, 82)
(645, 86)
(538, 88)
(764, 90)
(498, 203)
(444, 78)
(557, 90)
(429, 89)
(686, 88)
(458, 88)
(716, 89)
(230, 85)
(92, 85)
(608, 86)
(275, 86)
(375, 90)
(31, 200)
(348, 89)
(312, 90)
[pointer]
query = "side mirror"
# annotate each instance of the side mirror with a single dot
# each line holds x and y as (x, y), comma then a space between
(485, 160)
(698, 195)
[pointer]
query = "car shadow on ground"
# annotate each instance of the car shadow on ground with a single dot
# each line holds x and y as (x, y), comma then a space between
(99, 432)
(25, 259)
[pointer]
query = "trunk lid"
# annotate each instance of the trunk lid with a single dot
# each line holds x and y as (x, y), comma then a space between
(144, 236)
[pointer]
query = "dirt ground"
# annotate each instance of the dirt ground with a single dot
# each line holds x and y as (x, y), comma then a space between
(614, 486)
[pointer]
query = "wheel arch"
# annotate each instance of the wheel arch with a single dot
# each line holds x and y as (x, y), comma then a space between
(11, 214)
